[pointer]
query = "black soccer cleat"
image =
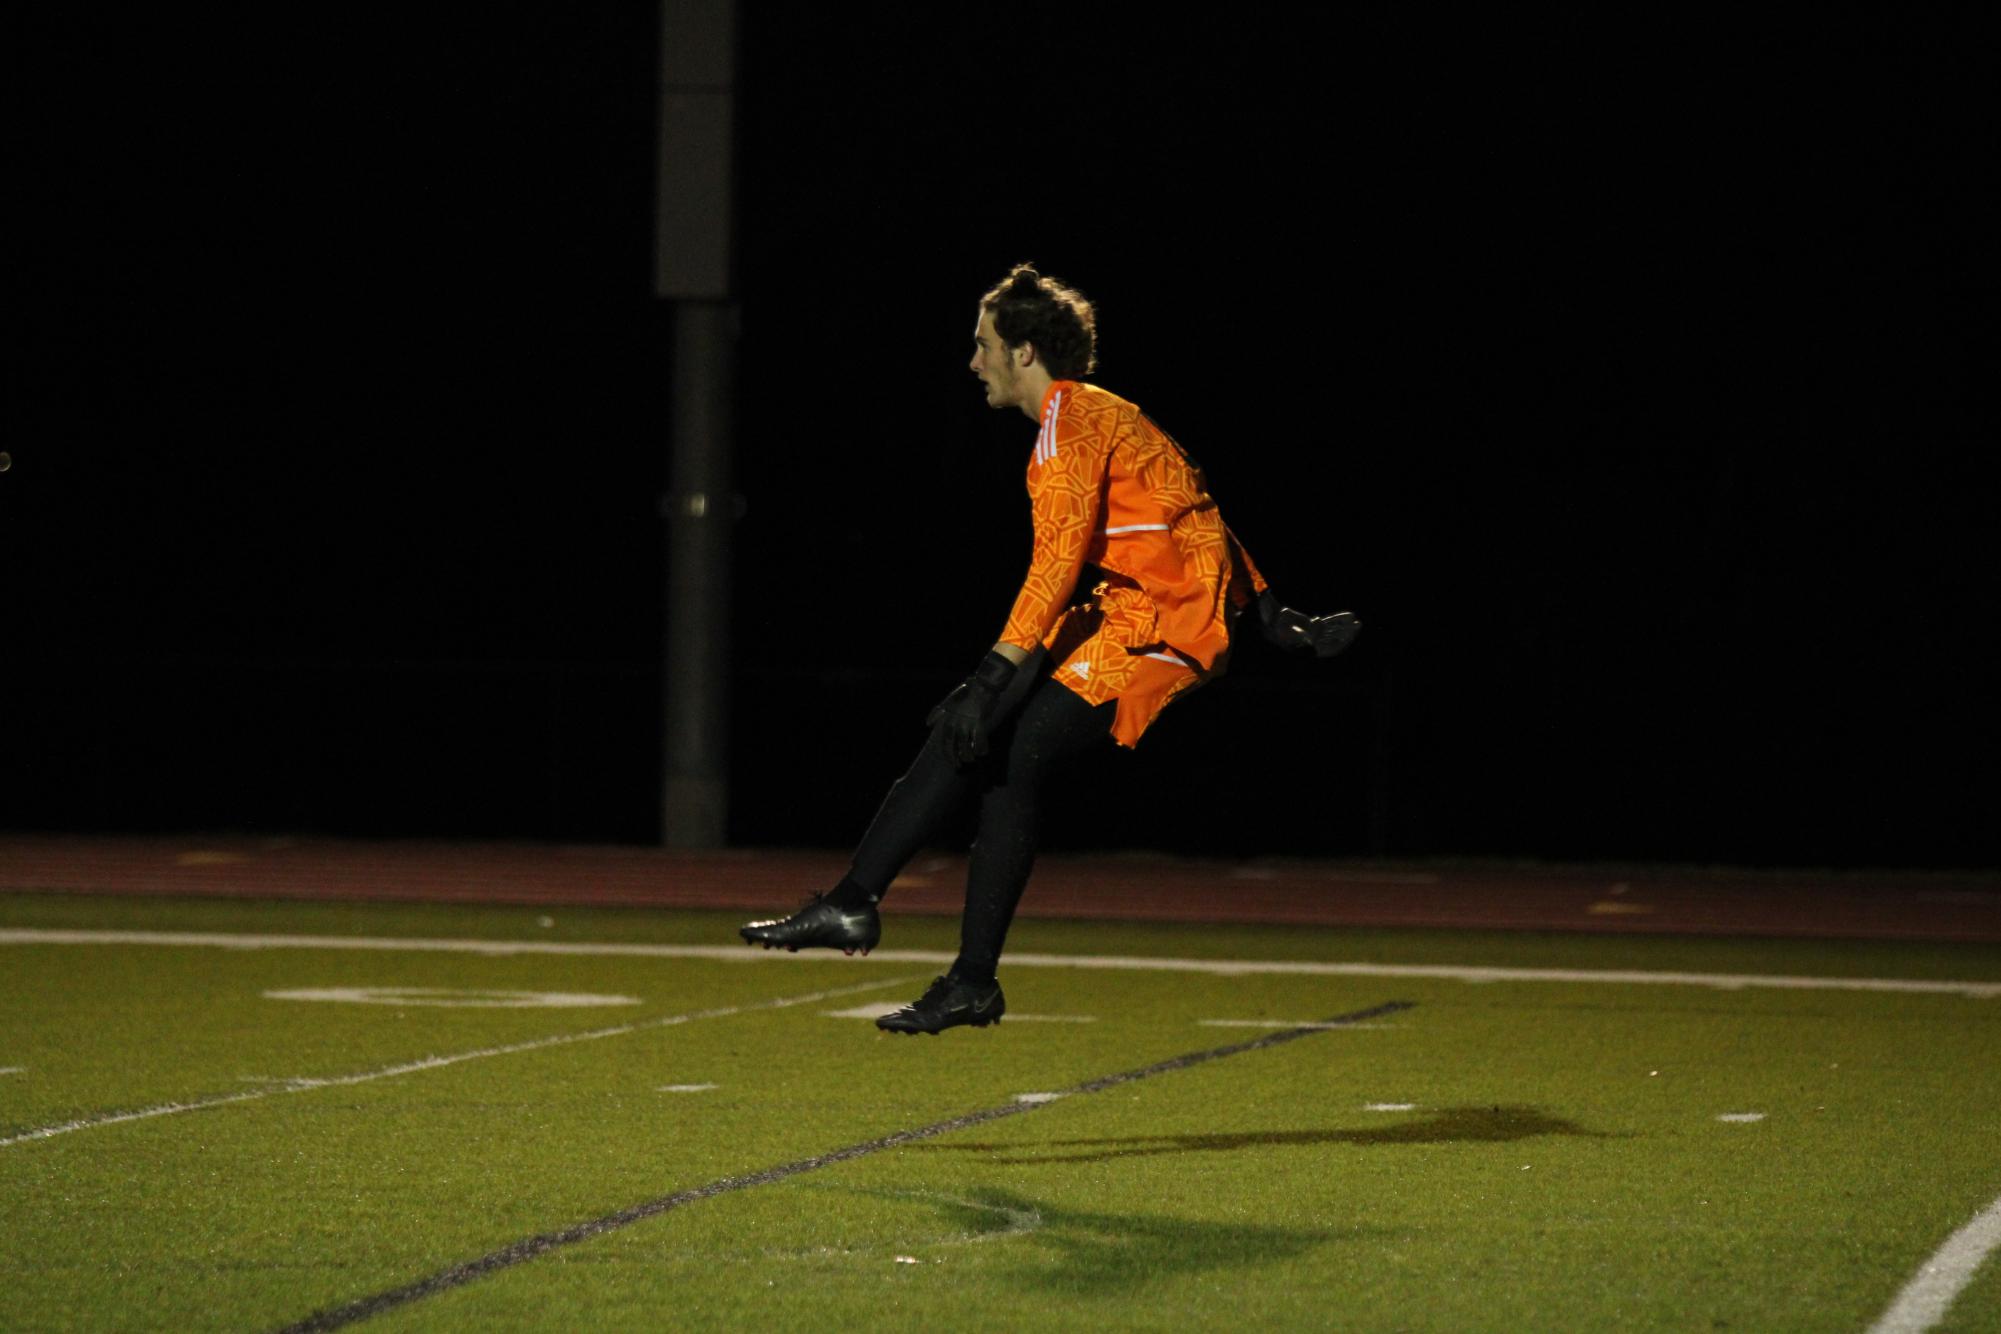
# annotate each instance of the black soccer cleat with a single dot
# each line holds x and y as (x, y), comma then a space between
(819, 924)
(949, 1003)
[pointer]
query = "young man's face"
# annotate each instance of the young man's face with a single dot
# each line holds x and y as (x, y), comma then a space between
(993, 365)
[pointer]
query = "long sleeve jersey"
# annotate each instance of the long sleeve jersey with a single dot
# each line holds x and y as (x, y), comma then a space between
(1109, 488)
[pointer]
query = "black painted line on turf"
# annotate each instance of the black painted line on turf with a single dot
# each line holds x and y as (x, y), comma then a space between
(527, 1249)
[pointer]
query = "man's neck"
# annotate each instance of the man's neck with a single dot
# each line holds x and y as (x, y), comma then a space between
(1037, 386)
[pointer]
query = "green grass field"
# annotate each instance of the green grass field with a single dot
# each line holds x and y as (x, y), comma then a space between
(1505, 1154)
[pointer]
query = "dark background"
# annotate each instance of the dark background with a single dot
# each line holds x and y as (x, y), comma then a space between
(1632, 378)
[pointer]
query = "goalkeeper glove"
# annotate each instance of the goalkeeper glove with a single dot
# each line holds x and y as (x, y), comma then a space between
(1324, 635)
(962, 719)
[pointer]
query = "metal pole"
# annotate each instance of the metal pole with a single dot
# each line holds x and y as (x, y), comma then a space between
(700, 510)
(692, 273)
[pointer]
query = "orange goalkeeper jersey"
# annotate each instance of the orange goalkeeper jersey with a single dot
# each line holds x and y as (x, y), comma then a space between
(1110, 489)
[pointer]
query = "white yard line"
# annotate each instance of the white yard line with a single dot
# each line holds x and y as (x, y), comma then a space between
(1941, 1278)
(302, 1085)
(1117, 962)
(1478, 973)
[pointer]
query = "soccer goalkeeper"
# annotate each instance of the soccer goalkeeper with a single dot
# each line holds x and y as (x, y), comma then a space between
(1131, 596)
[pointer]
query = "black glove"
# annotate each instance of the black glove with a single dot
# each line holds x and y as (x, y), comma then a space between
(960, 721)
(1325, 635)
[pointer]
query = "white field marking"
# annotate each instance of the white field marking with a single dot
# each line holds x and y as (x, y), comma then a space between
(452, 997)
(1940, 1279)
(1283, 1023)
(1036, 1097)
(1389, 1106)
(159, 1109)
(288, 1080)
(1741, 1118)
(1113, 962)
(13, 1069)
(878, 1009)
(1018, 1220)
(684, 1088)
(305, 1084)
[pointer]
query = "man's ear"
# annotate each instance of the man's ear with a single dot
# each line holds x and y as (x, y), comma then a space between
(1024, 355)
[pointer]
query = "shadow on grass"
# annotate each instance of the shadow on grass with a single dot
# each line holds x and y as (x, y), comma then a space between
(1099, 1253)
(1447, 1125)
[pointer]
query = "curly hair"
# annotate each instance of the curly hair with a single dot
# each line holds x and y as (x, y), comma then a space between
(1029, 308)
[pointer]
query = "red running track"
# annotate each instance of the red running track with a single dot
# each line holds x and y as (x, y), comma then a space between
(1886, 905)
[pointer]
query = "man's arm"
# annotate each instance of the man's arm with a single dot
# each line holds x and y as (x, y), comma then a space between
(964, 717)
(1063, 497)
(1246, 582)
(1324, 636)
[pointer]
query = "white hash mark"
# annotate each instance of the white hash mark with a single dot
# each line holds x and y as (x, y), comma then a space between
(452, 997)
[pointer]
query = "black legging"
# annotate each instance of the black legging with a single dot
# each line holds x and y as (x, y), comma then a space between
(1049, 725)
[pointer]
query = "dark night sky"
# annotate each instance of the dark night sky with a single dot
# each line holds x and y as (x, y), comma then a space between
(1631, 377)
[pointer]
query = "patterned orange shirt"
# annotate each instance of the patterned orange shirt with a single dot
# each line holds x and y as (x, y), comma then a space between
(1110, 489)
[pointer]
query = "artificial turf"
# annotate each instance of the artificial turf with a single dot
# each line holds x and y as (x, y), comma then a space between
(1502, 1155)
